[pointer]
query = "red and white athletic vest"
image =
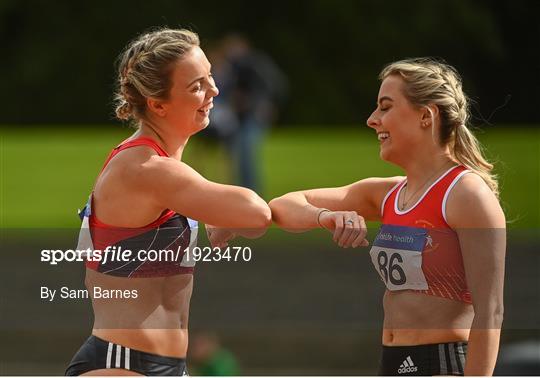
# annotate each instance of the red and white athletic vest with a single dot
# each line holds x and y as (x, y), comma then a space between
(171, 232)
(416, 249)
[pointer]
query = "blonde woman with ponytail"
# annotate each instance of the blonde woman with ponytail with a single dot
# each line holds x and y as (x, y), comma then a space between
(146, 199)
(441, 247)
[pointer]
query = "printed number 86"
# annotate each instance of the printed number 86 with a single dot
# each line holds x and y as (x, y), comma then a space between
(391, 269)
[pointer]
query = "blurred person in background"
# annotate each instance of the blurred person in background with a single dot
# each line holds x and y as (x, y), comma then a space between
(209, 358)
(146, 197)
(252, 89)
(441, 248)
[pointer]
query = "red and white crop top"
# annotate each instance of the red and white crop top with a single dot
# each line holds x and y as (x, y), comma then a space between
(416, 249)
(142, 251)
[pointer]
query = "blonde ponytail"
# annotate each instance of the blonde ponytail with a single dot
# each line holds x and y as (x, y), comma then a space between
(468, 152)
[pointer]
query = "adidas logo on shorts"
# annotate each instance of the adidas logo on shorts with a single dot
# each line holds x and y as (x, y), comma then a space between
(407, 366)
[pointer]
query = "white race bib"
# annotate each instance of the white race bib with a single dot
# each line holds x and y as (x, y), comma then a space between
(85, 238)
(397, 257)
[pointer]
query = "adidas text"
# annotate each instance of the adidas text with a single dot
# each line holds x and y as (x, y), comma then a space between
(409, 369)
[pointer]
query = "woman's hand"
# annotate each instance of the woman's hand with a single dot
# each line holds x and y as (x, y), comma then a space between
(348, 228)
(219, 237)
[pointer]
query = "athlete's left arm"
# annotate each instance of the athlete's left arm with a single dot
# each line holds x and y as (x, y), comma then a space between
(474, 212)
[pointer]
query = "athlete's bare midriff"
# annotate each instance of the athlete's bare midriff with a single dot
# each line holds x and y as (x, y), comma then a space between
(417, 319)
(154, 322)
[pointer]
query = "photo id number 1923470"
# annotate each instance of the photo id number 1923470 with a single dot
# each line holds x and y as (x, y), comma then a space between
(216, 254)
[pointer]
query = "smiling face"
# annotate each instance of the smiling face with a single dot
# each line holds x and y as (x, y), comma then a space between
(396, 121)
(191, 94)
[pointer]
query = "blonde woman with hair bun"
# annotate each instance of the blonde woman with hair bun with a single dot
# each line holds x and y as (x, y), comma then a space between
(145, 199)
(441, 248)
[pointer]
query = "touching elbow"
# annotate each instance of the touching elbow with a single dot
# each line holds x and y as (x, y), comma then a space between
(261, 215)
(264, 219)
(275, 208)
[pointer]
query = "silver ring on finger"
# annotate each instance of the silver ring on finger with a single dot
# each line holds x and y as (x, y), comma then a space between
(350, 221)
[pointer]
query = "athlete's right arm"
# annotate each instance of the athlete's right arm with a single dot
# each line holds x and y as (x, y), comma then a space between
(304, 210)
(174, 185)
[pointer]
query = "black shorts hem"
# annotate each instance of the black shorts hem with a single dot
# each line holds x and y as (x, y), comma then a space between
(96, 354)
(424, 360)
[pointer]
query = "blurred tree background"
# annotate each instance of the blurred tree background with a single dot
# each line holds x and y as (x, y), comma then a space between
(58, 57)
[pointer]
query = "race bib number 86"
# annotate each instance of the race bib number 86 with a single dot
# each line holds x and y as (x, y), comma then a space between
(397, 256)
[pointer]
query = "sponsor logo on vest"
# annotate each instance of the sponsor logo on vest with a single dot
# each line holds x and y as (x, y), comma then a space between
(407, 366)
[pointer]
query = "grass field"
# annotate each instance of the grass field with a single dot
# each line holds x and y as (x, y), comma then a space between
(48, 172)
